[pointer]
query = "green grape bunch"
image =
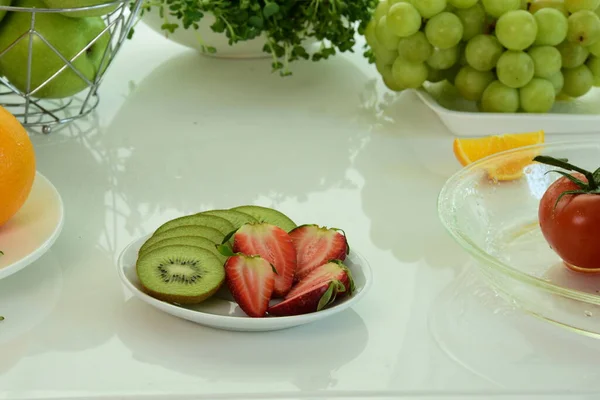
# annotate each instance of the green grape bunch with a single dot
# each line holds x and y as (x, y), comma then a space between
(507, 56)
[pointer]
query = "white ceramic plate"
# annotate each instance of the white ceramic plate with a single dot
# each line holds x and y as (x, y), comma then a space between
(33, 230)
(222, 312)
(460, 116)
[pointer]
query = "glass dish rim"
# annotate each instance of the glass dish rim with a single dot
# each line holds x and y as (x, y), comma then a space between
(485, 259)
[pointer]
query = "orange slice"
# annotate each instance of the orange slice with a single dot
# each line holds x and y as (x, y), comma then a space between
(470, 150)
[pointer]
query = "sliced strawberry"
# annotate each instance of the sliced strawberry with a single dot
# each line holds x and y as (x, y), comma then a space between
(317, 245)
(251, 280)
(334, 270)
(310, 300)
(274, 245)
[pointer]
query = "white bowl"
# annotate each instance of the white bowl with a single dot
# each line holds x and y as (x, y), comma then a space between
(221, 312)
(204, 36)
(191, 37)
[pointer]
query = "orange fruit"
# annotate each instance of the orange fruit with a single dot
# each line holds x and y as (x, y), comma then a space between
(17, 165)
(511, 167)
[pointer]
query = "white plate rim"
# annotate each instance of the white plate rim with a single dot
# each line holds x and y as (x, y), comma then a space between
(47, 244)
(249, 323)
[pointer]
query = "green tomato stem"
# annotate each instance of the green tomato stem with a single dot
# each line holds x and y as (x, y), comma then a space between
(592, 185)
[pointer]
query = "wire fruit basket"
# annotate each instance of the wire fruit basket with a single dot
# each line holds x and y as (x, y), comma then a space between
(53, 60)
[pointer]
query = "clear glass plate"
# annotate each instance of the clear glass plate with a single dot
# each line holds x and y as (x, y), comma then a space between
(496, 222)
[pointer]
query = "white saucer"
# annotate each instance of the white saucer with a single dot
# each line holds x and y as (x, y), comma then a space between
(33, 230)
(222, 312)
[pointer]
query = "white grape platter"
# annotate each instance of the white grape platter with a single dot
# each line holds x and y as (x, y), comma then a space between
(461, 117)
(532, 65)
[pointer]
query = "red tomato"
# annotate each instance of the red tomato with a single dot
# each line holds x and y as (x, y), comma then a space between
(572, 228)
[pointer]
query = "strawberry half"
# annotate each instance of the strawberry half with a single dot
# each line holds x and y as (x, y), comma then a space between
(274, 245)
(317, 245)
(334, 270)
(312, 300)
(317, 291)
(251, 280)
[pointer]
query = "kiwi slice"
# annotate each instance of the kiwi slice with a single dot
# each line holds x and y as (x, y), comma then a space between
(268, 215)
(195, 241)
(237, 218)
(220, 224)
(192, 230)
(180, 274)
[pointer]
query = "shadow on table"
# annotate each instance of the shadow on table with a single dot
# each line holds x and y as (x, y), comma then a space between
(515, 350)
(157, 178)
(305, 356)
(82, 257)
(418, 152)
(27, 298)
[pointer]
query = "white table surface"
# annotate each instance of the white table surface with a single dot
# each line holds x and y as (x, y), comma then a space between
(177, 133)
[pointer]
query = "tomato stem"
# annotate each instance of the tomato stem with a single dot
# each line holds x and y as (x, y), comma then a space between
(564, 164)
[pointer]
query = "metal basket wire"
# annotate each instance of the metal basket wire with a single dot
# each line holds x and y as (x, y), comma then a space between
(47, 113)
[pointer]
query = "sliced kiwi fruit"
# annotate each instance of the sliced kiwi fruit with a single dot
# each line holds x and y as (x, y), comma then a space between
(237, 218)
(195, 241)
(190, 230)
(180, 274)
(268, 215)
(212, 221)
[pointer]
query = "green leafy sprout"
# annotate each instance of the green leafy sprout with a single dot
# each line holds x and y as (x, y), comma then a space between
(285, 23)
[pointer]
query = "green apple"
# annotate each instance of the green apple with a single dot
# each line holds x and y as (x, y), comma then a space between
(4, 3)
(68, 35)
(82, 3)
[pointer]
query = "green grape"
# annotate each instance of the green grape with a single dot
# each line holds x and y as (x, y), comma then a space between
(385, 37)
(463, 3)
(483, 51)
(415, 48)
(385, 56)
(381, 10)
(443, 59)
(573, 54)
(430, 8)
(471, 83)
(558, 5)
(547, 60)
(594, 65)
(578, 81)
(515, 69)
(473, 21)
(389, 80)
(498, 97)
(496, 8)
(409, 75)
(370, 36)
(577, 5)
(537, 96)
(595, 49)
(516, 30)
(584, 28)
(403, 19)
(552, 27)
(557, 80)
(444, 30)
(435, 75)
